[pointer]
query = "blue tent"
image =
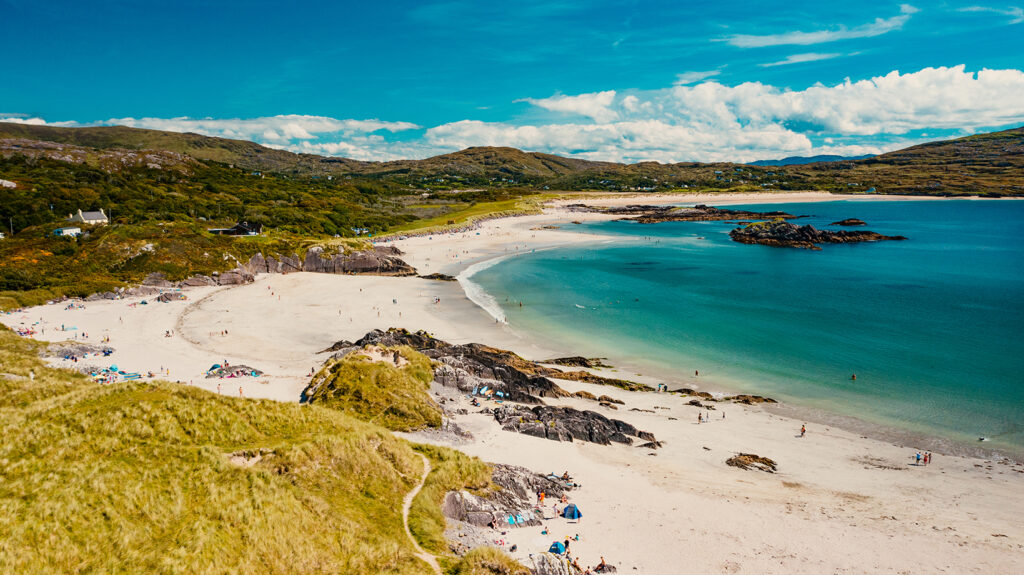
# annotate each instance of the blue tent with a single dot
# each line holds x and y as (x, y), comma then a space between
(572, 512)
(557, 547)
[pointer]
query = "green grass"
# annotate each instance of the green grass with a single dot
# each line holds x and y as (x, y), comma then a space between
(473, 212)
(136, 478)
(487, 561)
(450, 470)
(394, 397)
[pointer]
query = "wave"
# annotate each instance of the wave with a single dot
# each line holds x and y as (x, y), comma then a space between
(476, 293)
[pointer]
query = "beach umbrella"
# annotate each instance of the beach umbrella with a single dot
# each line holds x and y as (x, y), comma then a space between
(557, 547)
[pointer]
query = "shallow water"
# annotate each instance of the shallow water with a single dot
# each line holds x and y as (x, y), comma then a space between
(932, 326)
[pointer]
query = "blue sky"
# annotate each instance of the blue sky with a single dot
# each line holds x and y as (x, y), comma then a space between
(623, 81)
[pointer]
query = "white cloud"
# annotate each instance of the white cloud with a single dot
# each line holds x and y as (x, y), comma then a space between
(271, 129)
(596, 106)
(694, 77)
(800, 58)
(707, 121)
(877, 28)
(32, 120)
(712, 122)
(1015, 13)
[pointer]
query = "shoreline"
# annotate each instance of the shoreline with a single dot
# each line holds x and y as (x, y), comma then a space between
(791, 407)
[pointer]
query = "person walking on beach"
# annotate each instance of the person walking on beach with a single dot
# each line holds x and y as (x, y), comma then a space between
(917, 458)
(803, 430)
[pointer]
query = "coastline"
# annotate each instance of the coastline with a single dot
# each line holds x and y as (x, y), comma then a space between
(524, 231)
(836, 493)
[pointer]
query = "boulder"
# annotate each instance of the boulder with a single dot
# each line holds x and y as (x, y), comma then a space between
(157, 279)
(235, 277)
(197, 281)
(751, 461)
(567, 424)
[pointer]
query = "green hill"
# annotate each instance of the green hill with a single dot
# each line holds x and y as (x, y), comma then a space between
(166, 478)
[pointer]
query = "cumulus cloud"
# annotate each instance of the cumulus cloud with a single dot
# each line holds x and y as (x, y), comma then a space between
(711, 121)
(706, 121)
(877, 28)
(800, 58)
(31, 120)
(279, 130)
(1015, 13)
(595, 106)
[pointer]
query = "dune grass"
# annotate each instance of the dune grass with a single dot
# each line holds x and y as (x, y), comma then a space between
(379, 392)
(139, 478)
(487, 561)
(450, 470)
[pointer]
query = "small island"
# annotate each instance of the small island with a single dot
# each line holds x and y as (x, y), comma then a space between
(849, 222)
(780, 233)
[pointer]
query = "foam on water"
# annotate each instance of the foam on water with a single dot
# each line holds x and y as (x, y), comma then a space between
(476, 293)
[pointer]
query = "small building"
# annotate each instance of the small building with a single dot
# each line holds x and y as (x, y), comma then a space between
(2, 236)
(89, 218)
(7, 184)
(69, 232)
(239, 229)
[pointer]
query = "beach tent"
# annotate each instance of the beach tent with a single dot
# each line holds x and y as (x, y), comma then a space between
(571, 512)
(557, 547)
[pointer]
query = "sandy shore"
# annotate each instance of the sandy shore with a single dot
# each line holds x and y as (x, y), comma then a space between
(840, 503)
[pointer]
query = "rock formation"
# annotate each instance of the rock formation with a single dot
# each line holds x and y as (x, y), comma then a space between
(519, 487)
(779, 233)
(567, 424)
(849, 222)
(381, 260)
(475, 366)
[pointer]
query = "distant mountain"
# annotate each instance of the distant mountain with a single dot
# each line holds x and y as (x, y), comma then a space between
(796, 160)
(990, 163)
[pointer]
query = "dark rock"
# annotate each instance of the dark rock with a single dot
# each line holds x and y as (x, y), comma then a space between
(653, 444)
(439, 277)
(577, 361)
(780, 233)
(608, 405)
(749, 399)
(517, 491)
(849, 222)
(699, 213)
(609, 399)
(567, 424)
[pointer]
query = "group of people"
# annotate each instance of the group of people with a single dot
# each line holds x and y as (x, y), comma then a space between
(923, 458)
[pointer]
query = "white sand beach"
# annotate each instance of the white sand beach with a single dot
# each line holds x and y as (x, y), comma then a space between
(839, 503)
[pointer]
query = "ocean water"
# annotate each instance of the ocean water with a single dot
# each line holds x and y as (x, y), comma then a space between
(933, 327)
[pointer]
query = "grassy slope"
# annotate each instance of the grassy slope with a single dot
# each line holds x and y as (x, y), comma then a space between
(381, 393)
(135, 478)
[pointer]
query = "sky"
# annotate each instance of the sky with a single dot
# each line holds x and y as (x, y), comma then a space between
(608, 80)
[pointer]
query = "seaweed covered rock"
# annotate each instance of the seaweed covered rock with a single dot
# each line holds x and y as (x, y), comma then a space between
(751, 461)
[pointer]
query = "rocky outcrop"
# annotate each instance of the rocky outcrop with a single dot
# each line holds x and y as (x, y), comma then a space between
(235, 277)
(439, 277)
(577, 361)
(475, 366)
(197, 281)
(567, 424)
(515, 498)
(779, 233)
(849, 222)
(381, 260)
(749, 399)
(702, 213)
(157, 280)
(751, 461)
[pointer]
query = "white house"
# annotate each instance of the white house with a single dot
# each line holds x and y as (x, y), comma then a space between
(7, 184)
(89, 218)
(2, 235)
(72, 231)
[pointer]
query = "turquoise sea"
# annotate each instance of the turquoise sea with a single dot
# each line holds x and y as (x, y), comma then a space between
(933, 327)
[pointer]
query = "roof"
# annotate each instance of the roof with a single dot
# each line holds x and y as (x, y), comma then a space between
(94, 216)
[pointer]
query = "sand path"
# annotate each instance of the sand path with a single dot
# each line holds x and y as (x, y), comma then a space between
(420, 552)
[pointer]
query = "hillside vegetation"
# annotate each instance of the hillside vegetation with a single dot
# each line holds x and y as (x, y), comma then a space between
(165, 478)
(163, 190)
